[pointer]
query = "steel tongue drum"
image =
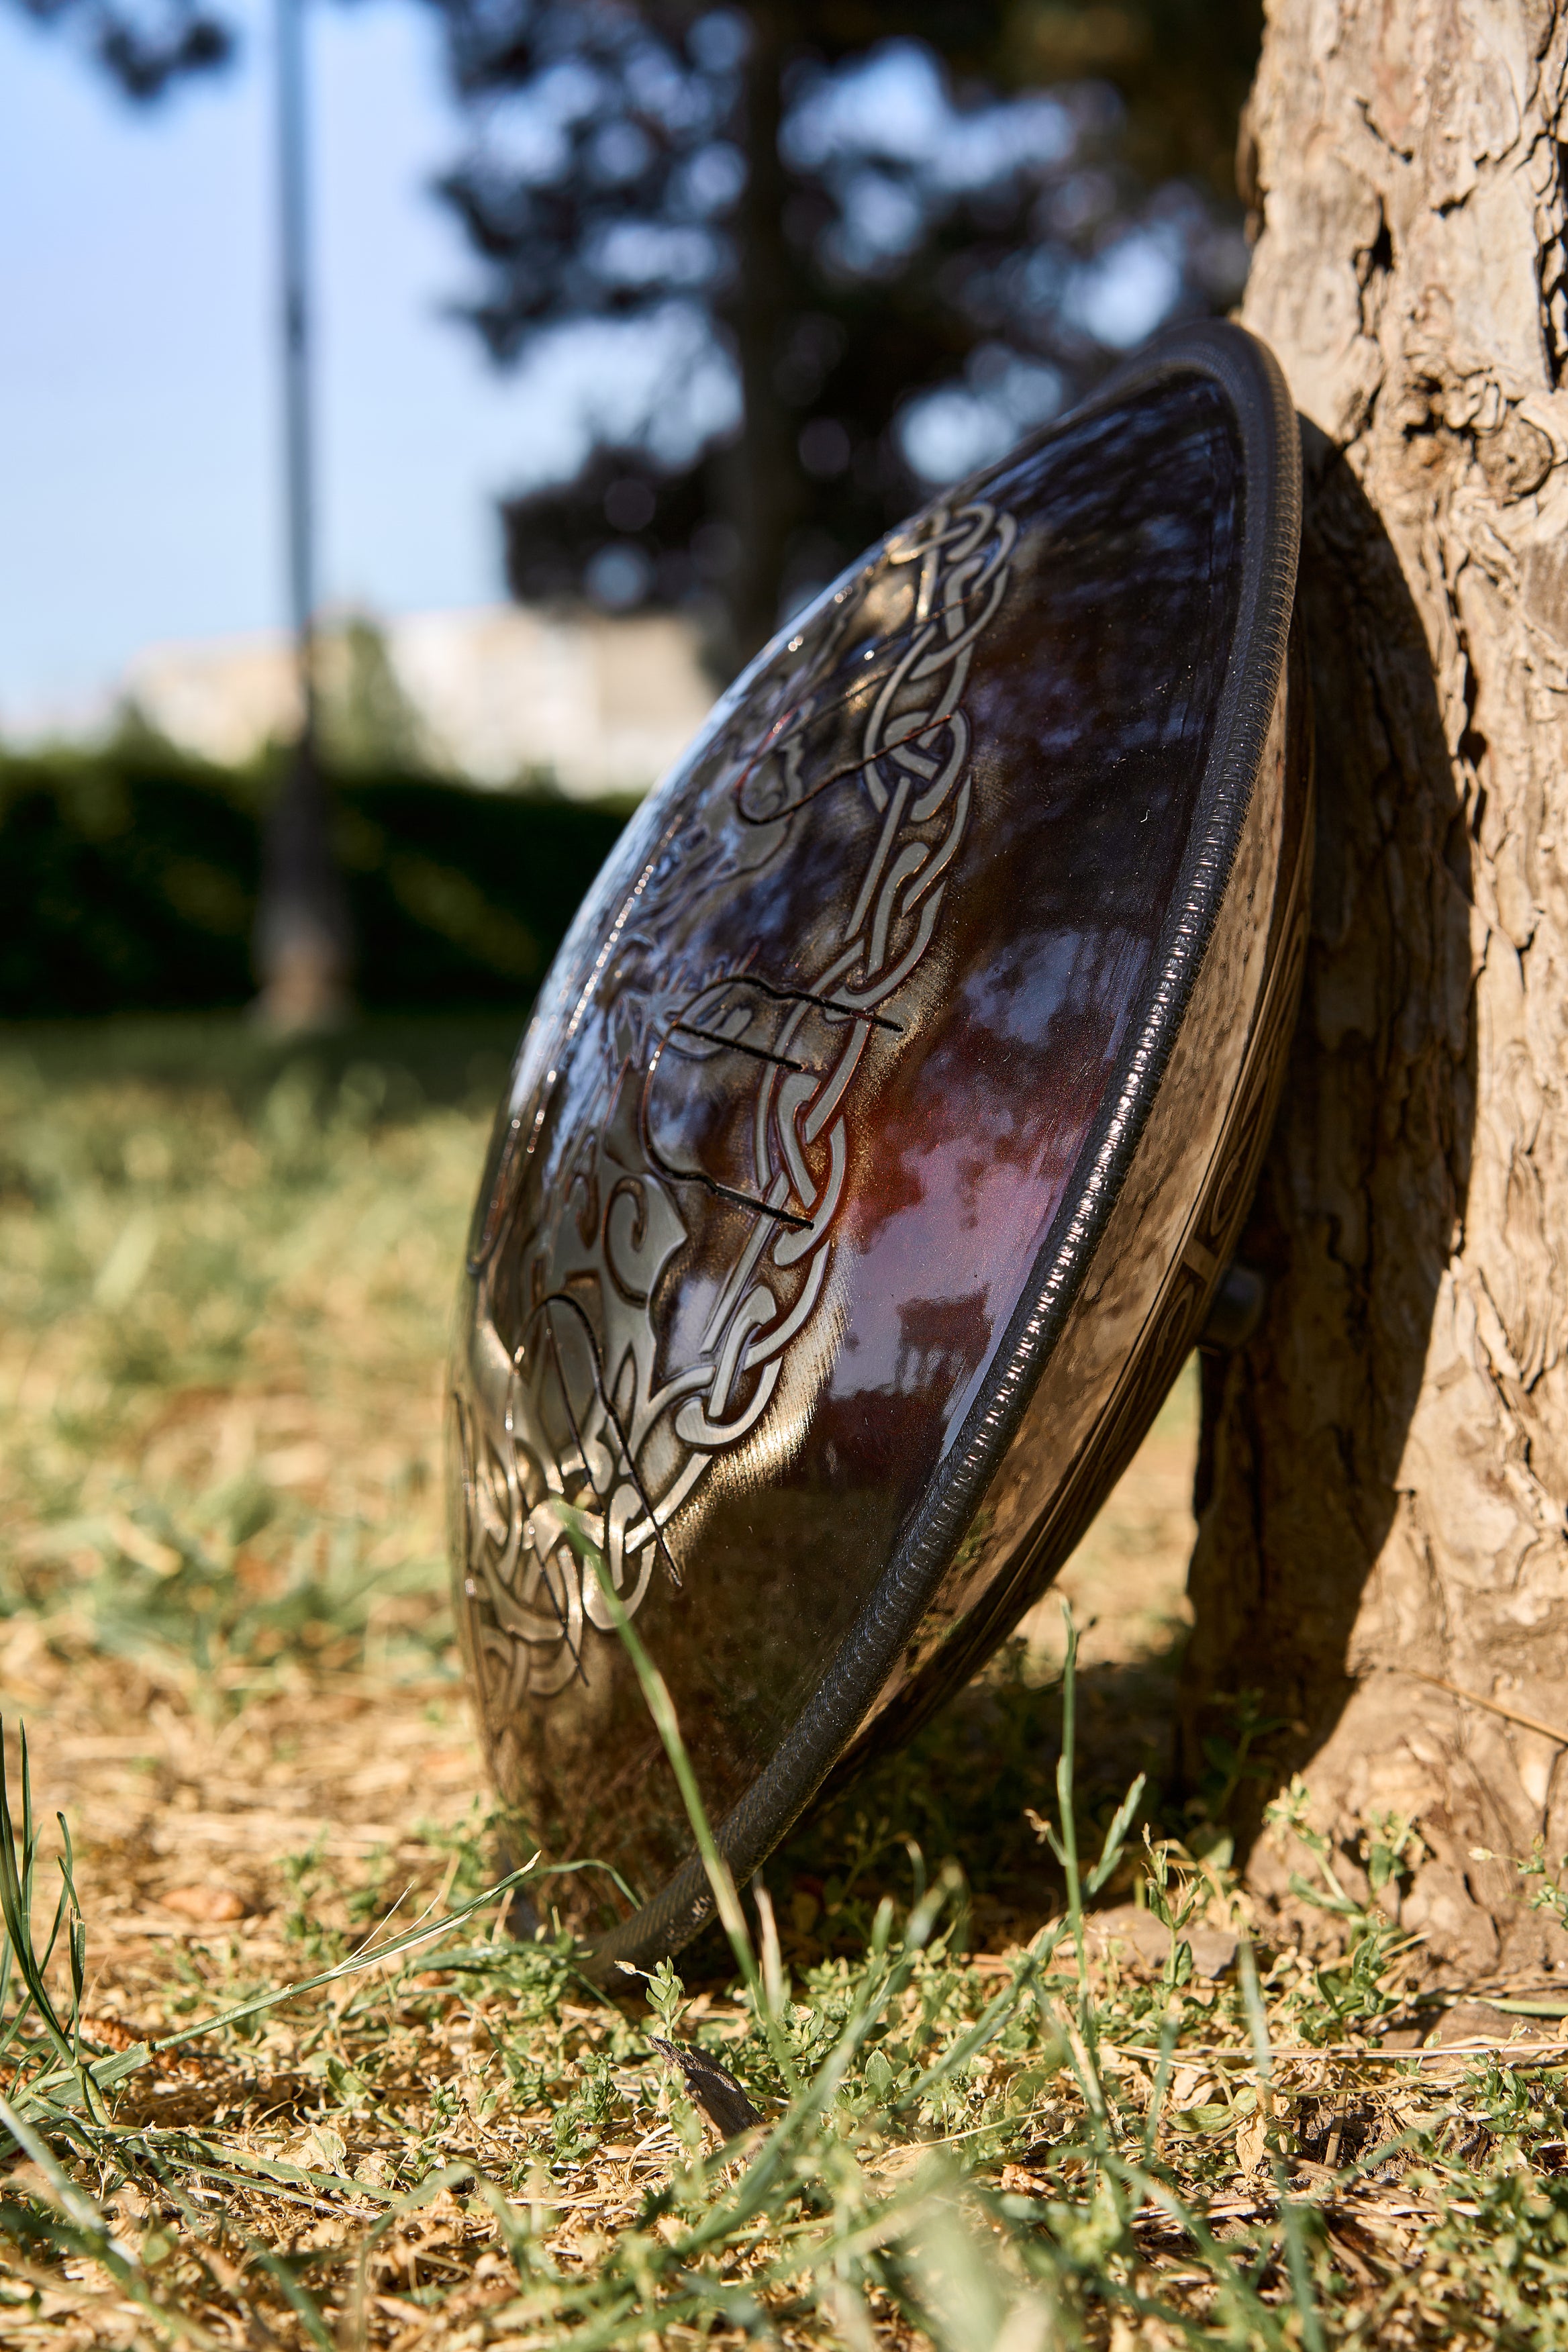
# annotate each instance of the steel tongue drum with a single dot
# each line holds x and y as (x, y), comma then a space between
(883, 1129)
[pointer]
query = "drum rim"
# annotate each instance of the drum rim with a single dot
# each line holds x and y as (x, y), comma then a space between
(1247, 371)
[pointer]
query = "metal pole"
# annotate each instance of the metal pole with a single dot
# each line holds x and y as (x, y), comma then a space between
(304, 940)
(293, 197)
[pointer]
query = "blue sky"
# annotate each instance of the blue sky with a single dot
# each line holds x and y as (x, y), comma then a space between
(138, 414)
(138, 433)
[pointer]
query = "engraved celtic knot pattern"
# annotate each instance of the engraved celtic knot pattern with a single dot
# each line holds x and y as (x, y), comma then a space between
(662, 1229)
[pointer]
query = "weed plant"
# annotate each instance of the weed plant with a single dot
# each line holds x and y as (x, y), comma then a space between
(273, 2072)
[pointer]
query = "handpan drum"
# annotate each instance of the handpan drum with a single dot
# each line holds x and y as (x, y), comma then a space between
(884, 1125)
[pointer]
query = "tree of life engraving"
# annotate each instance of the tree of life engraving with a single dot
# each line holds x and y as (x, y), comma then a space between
(663, 1218)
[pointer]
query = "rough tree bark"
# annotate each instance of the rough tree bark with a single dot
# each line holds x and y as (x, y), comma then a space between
(1387, 1462)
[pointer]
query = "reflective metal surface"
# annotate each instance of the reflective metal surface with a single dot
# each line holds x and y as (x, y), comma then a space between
(884, 1124)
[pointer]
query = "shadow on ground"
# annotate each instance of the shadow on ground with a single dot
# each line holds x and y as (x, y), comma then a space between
(963, 1790)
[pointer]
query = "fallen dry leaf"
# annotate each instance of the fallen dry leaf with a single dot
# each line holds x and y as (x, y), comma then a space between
(209, 1905)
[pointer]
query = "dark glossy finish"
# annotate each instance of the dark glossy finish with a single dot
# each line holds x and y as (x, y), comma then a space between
(882, 1126)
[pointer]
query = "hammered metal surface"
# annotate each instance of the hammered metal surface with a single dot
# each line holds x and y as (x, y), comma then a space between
(806, 1090)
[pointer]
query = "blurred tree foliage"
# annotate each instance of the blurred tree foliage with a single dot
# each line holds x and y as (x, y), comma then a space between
(904, 233)
(143, 48)
(874, 243)
(1181, 68)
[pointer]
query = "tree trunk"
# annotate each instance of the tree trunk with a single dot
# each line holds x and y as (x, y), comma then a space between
(1384, 1466)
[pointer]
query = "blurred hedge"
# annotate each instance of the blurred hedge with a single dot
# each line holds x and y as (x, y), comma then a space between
(128, 883)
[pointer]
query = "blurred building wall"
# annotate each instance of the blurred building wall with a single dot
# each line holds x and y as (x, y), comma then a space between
(498, 693)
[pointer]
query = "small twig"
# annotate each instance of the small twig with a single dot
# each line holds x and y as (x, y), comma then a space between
(1494, 1706)
(1345, 2052)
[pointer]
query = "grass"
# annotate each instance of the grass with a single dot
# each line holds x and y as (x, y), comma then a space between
(1027, 2071)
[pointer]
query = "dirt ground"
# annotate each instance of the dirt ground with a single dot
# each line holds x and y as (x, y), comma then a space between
(172, 1786)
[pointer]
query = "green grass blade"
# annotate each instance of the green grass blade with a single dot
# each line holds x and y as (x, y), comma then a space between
(1290, 2218)
(661, 1707)
(17, 1879)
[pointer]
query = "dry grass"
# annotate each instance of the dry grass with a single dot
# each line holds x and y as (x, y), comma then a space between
(225, 1280)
